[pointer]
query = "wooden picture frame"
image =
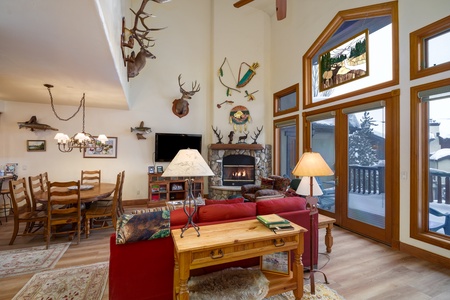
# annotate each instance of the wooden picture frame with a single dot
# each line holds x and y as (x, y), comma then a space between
(347, 61)
(36, 146)
(109, 151)
(277, 262)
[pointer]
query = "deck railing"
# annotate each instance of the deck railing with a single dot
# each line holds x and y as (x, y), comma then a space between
(366, 180)
(440, 182)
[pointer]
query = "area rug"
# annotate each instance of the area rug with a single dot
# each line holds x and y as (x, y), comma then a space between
(323, 292)
(30, 260)
(82, 282)
(229, 284)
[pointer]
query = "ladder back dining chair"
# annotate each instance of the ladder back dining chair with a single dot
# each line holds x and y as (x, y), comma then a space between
(64, 209)
(106, 215)
(91, 177)
(24, 211)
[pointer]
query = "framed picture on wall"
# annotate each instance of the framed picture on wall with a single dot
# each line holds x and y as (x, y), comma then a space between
(108, 151)
(36, 145)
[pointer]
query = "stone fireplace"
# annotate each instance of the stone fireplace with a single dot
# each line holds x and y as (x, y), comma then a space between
(255, 158)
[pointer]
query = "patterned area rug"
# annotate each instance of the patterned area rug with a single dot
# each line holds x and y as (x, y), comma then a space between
(323, 292)
(83, 282)
(30, 260)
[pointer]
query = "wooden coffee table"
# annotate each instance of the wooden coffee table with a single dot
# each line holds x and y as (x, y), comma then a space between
(327, 222)
(227, 242)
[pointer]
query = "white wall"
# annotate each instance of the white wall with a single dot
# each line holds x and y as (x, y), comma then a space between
(199, 34)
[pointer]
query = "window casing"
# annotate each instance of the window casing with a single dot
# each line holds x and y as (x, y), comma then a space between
(430, 177)
(426, 59)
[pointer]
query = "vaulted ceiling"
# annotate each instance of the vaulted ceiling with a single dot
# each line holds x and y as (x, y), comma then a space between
(62, 43)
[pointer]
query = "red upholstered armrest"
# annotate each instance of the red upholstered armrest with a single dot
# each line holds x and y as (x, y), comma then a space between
(141, 270)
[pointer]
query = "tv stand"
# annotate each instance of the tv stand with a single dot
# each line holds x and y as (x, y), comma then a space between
(163, 189)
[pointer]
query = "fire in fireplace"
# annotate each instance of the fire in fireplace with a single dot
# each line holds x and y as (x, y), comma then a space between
(238, 170)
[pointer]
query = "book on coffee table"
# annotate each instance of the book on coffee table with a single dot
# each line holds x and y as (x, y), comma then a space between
(273, 220)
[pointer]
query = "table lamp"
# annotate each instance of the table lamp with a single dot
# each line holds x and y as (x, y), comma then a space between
(312, 164)
(188, 163)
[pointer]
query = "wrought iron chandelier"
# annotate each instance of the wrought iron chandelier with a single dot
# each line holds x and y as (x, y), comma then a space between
(81, 140)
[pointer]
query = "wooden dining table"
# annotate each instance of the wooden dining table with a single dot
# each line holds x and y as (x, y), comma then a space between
(97, 192)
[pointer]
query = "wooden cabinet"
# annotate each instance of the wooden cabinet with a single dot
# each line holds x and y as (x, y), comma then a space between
(161, 189)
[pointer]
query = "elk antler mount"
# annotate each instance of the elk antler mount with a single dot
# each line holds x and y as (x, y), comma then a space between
(139, 33)
(180, 107)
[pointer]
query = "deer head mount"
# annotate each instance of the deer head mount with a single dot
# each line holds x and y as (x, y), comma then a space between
(139, 33)
(180, 107)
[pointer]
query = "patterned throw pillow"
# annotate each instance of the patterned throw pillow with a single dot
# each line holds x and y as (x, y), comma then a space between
(267, 183)
(141, 227)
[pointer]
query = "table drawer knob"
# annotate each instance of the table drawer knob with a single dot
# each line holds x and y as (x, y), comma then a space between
(281, 243)
(219, 254)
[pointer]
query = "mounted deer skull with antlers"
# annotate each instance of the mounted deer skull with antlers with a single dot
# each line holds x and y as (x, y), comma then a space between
(135, 63)
(180, 107)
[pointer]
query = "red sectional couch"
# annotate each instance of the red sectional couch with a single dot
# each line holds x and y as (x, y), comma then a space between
(144, 270)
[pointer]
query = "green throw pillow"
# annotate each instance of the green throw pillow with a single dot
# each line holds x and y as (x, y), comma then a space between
(142, 227)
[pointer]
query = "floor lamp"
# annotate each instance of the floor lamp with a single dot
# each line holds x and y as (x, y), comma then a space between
(188, 163)
(312, 164)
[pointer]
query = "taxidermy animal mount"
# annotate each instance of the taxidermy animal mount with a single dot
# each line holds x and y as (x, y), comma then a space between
(180, 107)
(33, 125)
(141, 130)
(136, 62)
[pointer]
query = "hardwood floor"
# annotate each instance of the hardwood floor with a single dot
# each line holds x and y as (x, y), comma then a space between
(358, 268)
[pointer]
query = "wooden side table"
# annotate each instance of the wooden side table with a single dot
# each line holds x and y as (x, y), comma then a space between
(227, 242)
(327, 222)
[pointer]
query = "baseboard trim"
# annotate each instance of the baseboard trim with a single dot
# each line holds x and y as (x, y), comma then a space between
(134, 202)
(425, 255)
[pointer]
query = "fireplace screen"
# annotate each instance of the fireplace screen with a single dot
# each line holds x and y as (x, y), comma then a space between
(238, 170)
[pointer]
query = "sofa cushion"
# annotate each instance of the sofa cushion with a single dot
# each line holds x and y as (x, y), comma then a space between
(221, 212)
(267, 183)
(269, 197)
(280, 205)
(141, 227)
(226, 201)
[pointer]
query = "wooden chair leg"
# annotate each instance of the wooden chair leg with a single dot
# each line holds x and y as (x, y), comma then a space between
(15, 231)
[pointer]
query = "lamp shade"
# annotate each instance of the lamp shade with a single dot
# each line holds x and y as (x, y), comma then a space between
(187, 163)
(312, 164)
(304, 187)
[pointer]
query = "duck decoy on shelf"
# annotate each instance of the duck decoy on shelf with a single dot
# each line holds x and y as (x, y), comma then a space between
(141, 130)
(33, 125)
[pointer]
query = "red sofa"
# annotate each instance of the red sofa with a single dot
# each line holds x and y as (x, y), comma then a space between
(144, 270)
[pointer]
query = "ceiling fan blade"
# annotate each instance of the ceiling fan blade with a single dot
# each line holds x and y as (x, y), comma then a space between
(241, 3)
(281, 9)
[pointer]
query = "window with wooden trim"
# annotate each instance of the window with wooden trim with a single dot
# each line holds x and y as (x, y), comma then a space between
(355, 54)
(430, 163)
(429, 49)
(285, 152)
(286, 101)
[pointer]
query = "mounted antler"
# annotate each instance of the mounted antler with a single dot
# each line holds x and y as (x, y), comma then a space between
(256, 134)
(218, 134)
(135, 63)
(180, 106)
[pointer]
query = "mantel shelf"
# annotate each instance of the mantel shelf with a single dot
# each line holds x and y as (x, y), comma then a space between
(236, 146)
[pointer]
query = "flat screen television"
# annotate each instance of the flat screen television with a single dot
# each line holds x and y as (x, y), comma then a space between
(167, 145)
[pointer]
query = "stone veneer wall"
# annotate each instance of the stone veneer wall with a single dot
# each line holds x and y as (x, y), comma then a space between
(263, 161)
